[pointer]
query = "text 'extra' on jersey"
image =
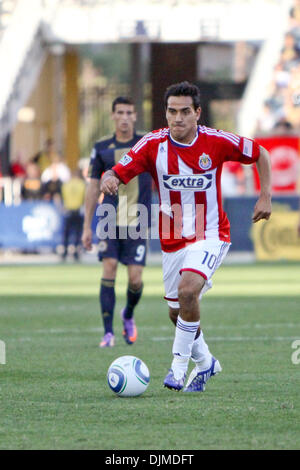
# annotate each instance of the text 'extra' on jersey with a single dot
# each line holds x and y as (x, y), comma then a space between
(188, 179)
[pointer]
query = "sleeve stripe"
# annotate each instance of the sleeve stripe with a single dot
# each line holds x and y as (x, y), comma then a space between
(231, 136)
(140, 142)
(234, 139)
(149, 137)
(139, 147)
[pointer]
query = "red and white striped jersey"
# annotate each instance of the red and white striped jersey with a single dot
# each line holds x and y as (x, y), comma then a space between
(188, 179)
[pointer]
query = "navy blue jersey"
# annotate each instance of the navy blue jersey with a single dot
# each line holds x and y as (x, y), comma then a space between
(106, 153)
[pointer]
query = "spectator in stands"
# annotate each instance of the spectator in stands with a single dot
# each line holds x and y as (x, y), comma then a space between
(295, 14)
(17, 169)
(52, 189)
(57, 169)
(284, 97)
(73, 193)
(46, 156)
(266, 120)
(283, 127)
(289, 51)
(32, 186)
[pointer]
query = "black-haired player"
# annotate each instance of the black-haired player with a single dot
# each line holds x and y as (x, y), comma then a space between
(106, 153)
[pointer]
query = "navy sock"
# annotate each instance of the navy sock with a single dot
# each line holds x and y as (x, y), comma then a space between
(133, 296)
(107, 299)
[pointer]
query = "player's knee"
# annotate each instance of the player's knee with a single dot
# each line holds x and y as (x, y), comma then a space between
(110, 268)
(135, 284)
(187, 293)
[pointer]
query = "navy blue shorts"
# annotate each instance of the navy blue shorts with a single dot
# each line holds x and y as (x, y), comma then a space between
(126, 251)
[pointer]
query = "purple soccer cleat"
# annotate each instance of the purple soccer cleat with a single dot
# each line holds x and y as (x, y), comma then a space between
(129, 329)
(172, 383)
(197, 379)
(108, 341)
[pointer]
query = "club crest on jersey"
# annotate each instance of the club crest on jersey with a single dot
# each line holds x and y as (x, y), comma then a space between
(205, 161)
(195, 182)
(125, 160)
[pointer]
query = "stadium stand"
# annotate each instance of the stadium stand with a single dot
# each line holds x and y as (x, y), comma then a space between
(6, 11)
(282, 102)
(22, 53)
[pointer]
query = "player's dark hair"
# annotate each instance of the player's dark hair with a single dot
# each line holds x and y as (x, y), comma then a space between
(121, 100)
(183, 89)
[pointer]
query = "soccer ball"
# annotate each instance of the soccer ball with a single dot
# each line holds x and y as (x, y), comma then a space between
(128, 376)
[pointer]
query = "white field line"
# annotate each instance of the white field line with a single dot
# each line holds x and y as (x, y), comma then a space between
(225, 339)
(235, 338)
(97, 329)
(168, 328)
(232, 338)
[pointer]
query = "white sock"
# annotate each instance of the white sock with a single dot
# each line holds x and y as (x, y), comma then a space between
(182, 347)
(200, 353)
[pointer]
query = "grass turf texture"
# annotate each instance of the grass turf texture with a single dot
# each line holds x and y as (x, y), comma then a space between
(53, 389)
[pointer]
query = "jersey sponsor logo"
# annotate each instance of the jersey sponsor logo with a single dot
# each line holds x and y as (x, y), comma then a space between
(247, 148)
(205, 161)
(195, 182)
(125, 160)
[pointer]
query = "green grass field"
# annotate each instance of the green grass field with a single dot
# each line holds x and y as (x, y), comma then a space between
(53, 390)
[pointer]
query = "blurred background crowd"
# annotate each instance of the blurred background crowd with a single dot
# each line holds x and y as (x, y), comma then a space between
(44, 176)
(282, 104)
(73, 57)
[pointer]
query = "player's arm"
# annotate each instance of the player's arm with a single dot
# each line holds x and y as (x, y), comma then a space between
(91, 198)
(130, 165)
(263, 207)
(110, 183)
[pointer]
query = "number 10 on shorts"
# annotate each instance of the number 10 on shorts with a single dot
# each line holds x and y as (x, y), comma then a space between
(209, 260)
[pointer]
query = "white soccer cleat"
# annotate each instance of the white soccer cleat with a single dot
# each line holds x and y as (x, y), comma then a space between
(197, 379)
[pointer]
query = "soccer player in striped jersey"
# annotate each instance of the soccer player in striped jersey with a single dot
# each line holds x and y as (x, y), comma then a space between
(114, 249)
(185, 161)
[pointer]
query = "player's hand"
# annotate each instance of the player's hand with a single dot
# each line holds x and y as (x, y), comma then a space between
(86, 238)
(109, 184)
(262, 209)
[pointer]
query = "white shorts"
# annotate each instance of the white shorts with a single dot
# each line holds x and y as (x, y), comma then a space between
(203, 257)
